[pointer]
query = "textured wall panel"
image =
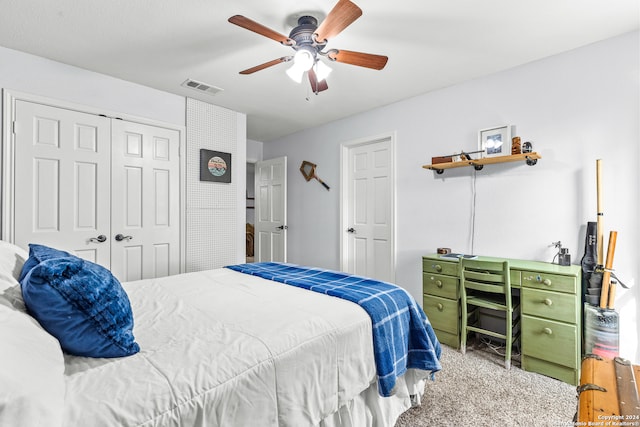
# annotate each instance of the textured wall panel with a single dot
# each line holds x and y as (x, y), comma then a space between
(211, 235)
(212, 212)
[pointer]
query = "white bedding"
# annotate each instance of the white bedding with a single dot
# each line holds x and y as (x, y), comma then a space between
(221, 348)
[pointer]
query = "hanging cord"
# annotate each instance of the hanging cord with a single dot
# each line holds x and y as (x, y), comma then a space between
(473, 211)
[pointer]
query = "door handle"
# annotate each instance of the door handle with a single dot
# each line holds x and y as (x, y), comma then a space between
(351, 230)
(282, 227)
(120, 238)
(100, 239)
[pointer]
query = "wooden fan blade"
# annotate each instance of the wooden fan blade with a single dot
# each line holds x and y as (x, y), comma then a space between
(266, 65)
(341, 16)
(316, 86)
(251, 25)
(377, 62)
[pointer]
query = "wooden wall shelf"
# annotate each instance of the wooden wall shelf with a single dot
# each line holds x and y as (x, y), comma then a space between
(478, 164)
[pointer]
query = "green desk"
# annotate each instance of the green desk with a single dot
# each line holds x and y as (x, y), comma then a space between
(550, 304)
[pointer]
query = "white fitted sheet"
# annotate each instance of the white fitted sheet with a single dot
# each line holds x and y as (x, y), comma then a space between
(221, 348)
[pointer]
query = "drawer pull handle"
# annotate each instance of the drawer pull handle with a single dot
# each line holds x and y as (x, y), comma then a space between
(440, 306)
(437, 267)
(439, 283)
(547, 331)
(548, 302)
(546, 282)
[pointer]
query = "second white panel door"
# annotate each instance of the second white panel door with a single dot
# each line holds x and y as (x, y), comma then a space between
(271, 210)
(145, 214)
(369, 210)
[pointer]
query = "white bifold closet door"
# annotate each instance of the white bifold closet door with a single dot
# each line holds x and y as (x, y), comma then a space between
(104, 189)
(145, 201)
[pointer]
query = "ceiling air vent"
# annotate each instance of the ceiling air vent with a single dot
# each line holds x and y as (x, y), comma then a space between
(201, 87)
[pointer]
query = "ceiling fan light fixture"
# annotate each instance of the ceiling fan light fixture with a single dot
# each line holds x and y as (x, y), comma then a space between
(295, 73)
(322, 70)
(304, 58)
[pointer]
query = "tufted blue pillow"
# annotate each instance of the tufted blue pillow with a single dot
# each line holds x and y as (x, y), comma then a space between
(82, 305)
(37, 254)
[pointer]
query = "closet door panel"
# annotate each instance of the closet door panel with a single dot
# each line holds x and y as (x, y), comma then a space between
(146, 204)
(62, 180)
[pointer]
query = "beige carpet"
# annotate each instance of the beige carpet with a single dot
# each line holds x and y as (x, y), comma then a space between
(476, 390)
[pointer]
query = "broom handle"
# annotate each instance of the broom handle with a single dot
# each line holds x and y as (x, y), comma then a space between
(600, 233)
(606, 276)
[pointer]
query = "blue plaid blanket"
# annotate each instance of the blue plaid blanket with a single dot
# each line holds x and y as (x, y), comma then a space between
(402, 335)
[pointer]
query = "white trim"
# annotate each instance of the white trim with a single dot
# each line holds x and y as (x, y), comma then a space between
(8, 141)
(9, 98)
(68, 105)
(344, 175)
(182, 152)
(241, 184)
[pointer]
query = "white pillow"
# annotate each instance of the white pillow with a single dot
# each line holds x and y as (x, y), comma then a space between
(31, 372)
(12, 258)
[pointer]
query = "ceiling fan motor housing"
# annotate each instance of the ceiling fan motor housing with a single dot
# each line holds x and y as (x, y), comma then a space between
(303, 33)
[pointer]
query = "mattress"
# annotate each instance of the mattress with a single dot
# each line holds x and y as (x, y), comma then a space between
(222, 348)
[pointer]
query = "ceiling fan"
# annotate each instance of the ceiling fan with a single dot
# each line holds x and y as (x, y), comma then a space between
(308, 39)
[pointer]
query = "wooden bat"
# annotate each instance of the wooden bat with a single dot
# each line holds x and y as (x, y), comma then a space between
(606, 276)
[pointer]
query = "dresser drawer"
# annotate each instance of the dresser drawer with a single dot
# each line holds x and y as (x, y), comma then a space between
(550, 282)
(452, 340)
(549, 340)
(449, 268)
(443, 313)
(562, 373)
(552, 305)
(440, 285)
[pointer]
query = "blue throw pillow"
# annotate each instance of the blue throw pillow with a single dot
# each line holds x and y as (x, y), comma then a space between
(37, 254)
(83, 305)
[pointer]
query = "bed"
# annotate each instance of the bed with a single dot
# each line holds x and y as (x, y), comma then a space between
(214, 348)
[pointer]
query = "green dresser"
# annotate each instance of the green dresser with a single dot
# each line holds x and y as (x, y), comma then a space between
(551, 328)
(441, 288)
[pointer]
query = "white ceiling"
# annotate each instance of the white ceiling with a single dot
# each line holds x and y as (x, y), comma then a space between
(430, 44)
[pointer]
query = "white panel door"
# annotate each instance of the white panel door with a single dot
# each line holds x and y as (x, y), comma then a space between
(62, 180)
(369, 210)
(145, 201)
(270, 239)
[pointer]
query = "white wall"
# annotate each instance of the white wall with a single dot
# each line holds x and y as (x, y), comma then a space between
(39, 76)
(575, 107)
(254, 151)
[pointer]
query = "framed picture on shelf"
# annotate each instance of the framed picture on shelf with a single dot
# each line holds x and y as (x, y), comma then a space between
(495, 141)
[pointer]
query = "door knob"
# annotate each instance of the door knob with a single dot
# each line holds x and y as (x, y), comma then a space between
(282, 227)
(100, 239)
(120, 238)
(351, 230)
